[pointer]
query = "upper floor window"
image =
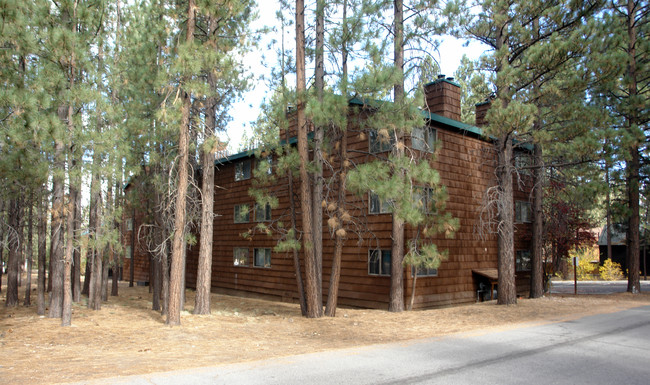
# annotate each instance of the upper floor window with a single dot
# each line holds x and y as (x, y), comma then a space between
(243, 170)
(377, 205)
(267, 163)
(379, 262)
(380, 141)
(423, 138)
(523, 212)
(129, 224)
(242, 214)
(262, 212)
(523, 260)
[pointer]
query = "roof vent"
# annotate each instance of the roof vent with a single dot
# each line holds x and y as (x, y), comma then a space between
(441, 76)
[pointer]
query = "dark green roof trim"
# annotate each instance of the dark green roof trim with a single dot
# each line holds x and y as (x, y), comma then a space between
(249, 153)
(452, 123)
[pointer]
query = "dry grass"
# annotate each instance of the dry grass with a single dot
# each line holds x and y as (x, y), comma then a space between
(126, 337)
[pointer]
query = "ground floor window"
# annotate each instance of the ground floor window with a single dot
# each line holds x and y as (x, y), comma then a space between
(240, 256)
(262, 258)
(379, 262)
(523, 260)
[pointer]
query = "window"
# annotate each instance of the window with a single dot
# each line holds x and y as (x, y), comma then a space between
(424, 199)
(422, 272)
(243, 170)
(380, 141)
(240, 256)
(242, 214)
(262, 212)
(128, 252)
(262, 258)
(129, 224)
(423, 138)
(379, 262)
(523, 162)
(523, 212)
(268, 162)
(523, 260)
(377, 205)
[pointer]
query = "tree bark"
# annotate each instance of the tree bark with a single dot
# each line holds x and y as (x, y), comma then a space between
(317, 192)
(76, 256)
(314, 308)
(2, 238)
(42, 254)
(30, 250)
(56, 241)
(66, 314)
(537, 262)
(13, 263)
(176, 274)
(507, 293)
(204, 273)
(396, 300)
(634, 163)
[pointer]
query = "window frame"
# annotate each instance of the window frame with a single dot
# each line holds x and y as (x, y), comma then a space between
(519, 264)
(267, 252)
(241, 171)
(427, 140)
(381, 254)
(237, 209)
(236, 258)
(129, 224)
(519, 212)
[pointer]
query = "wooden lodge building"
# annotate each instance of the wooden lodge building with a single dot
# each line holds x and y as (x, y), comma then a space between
(465, 161)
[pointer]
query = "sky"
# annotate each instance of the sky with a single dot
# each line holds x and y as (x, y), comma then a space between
(260, 61)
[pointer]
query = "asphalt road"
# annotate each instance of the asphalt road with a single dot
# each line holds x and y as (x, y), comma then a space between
(602, 349)
(594, 287)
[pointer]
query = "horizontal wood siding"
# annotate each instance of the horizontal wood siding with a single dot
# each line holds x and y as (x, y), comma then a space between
(466, 166)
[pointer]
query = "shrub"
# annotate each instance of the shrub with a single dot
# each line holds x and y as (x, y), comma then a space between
(611, 271)
(586, 269)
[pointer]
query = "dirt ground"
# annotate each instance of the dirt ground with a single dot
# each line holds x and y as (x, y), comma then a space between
(126, 337)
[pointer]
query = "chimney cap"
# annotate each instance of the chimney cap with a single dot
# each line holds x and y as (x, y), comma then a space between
(441, 76)
(450, 78)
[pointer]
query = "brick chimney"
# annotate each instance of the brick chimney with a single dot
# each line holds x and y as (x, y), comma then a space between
(442, 97)
(481, 111)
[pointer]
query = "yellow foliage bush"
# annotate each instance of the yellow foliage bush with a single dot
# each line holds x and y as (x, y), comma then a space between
(611, 271)
(586, 269)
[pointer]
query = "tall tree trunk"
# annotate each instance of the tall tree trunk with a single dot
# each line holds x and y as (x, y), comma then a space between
(340, 234)
(634, 163)
(317, 192)
(42, 254)
(204, 273)
(66, 314)
(30, 250)
(176, 283)
(507, 293)
(56, 241)
(13, 263)
(396, 300)
(537, 262)
(2, 238)
(76, 256)
(314, 308)
(608, 206)
(94, 224)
